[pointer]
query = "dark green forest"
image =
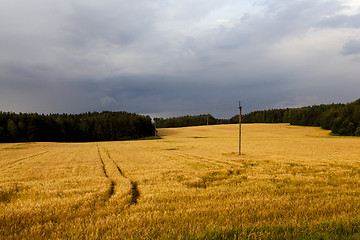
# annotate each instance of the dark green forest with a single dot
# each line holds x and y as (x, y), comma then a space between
(104, 126)
(341, 119)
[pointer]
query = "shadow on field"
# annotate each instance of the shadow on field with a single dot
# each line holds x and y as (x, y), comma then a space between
(162, 132)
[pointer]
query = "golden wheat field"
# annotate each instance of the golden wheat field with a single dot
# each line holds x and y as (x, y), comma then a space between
(290, 182)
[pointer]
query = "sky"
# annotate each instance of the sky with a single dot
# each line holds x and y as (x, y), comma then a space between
(168, 58)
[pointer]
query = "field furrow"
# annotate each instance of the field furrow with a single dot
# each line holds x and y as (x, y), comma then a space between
(121, 187)
(18, 161)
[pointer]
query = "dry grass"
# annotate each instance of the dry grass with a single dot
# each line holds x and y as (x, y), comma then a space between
(291, 182)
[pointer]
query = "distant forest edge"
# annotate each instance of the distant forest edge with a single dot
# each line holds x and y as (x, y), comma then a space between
(341, 119)
(186, 121)
(104, 126)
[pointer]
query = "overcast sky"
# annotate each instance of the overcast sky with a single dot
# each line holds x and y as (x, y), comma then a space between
(177, 57)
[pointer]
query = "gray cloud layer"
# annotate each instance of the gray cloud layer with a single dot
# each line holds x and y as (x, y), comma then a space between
(176, 57)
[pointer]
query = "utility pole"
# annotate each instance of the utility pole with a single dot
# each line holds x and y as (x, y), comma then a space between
(239, 128)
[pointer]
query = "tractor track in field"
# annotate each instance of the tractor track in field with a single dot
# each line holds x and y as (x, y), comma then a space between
(134, 192)
(102, 162)
(10, 164)
(117, 166)
(111, 191)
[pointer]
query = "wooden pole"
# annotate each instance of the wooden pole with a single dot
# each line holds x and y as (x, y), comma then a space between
(239, 128)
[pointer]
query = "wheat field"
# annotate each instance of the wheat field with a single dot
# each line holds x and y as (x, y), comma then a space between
(290, 182)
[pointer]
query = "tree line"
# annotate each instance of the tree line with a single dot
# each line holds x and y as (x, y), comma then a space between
(104, 126)
(185, 121)
(341, 119)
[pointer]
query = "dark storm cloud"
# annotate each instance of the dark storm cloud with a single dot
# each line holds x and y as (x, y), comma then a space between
(180, 97)
(140, 93)
(115, 22)
(176, 57)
